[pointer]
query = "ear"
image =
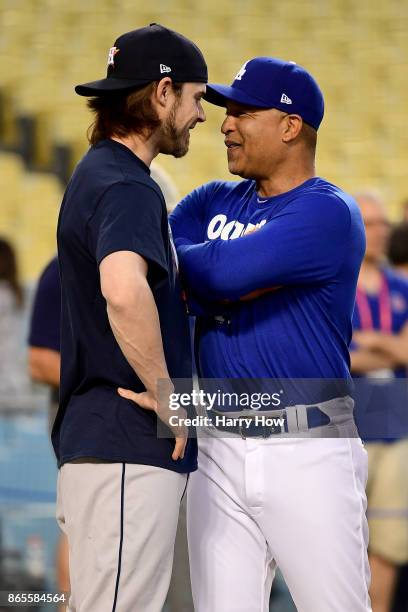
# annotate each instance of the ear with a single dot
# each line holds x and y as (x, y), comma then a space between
(293, 127)
(163, 92)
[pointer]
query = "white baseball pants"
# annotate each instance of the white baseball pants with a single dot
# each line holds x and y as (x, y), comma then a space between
(296, 503)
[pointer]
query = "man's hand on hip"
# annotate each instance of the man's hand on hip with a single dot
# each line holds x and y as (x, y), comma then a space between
(148, 401)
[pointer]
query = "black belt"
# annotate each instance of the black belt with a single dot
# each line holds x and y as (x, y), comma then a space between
(315, 418)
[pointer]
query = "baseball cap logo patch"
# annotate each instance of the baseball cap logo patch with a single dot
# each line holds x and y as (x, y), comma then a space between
(241, 73)
(146, 55)
(285, 99)
(111, 55)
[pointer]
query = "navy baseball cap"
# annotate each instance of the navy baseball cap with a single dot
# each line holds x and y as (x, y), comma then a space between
(145, 55)
(268, 82)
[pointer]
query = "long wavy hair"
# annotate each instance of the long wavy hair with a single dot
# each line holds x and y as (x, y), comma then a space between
(119, 114)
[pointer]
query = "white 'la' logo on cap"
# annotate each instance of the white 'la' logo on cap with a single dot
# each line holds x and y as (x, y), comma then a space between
(241, 73)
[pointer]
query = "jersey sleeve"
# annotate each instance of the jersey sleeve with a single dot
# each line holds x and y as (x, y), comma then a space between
(46, 312)
(188, 218)
(130, 217)
(304, 244)
(187, 223)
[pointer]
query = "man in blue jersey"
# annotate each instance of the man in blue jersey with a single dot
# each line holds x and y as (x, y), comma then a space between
(276, 303)
(379, 358)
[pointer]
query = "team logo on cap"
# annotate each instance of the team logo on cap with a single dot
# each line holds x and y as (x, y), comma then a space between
(285, 99)
(241, 72)
(111, 55)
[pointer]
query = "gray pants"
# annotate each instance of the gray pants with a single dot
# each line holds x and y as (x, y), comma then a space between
(179, 597)
(121, 522)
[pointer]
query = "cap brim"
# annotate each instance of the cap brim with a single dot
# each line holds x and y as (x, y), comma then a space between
(221, 94)
(111, 85)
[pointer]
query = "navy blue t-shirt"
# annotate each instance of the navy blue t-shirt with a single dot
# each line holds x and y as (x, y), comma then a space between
(112, 204)
(46, 313)
(309, 244)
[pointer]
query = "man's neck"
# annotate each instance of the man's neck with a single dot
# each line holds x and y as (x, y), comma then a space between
(144, 149)
(285, 179)
(370, 276)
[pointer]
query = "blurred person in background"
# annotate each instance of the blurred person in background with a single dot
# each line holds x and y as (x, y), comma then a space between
(13, 379)
(44, 367)
(166, 184)
(380, 351)
(405, 210)
(44, 337)
(398, 248)
(398, 257)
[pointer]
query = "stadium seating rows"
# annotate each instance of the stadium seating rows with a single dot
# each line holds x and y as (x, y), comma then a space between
(357, 51)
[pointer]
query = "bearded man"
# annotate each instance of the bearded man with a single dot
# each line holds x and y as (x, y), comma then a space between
(124, 326)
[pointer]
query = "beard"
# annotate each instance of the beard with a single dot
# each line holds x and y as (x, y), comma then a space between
(175, 140)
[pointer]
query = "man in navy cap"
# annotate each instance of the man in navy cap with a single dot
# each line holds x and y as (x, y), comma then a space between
(271, 266)
(124, 325)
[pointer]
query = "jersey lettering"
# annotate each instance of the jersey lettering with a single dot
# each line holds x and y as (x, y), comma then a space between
(215, 226)
(220, 228)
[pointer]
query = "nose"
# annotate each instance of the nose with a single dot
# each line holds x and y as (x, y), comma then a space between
(201, 114)
(228, 124)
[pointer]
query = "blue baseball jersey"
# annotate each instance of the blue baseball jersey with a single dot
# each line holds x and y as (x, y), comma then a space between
(307, 249)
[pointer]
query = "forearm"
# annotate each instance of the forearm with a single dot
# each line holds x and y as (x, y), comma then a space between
(221, 271)
(394, 347)
(44, 366)
(364, 361)
(221, 285)
(136, 327)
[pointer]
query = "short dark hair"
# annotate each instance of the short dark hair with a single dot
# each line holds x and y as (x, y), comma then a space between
(119, 114)
(398, 245)
(8, 270)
